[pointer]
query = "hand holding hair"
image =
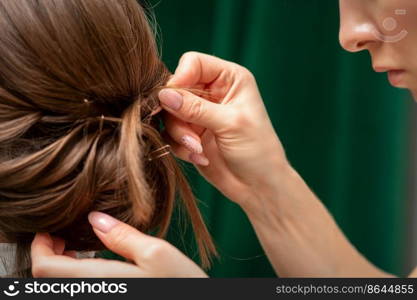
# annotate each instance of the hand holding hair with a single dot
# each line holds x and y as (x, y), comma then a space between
(234, 144)
(150, 256)
(244, 159)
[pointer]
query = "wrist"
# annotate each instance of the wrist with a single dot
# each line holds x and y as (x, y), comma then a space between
(269, 194)
(299, 235)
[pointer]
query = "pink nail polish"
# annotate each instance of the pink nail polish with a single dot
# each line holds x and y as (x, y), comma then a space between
(102, 221)
(199, 159)
(191, 144)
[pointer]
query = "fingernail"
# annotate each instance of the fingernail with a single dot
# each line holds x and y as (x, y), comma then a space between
(199, 159)
(102, 221)
(191, 144)
(170, 98)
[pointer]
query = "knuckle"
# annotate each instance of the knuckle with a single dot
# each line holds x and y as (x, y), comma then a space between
(240, 119)
(189, 55)
(246, 74)
(158, 249)
(195, 110)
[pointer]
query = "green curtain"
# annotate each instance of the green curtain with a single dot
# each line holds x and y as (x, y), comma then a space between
(344, 128)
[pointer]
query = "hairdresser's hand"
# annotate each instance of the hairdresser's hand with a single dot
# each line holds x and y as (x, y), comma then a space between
(150, 256)
(228, 134)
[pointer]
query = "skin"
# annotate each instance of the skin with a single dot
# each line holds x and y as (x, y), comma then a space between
(244, 159)
(148, 256)
(364, 23)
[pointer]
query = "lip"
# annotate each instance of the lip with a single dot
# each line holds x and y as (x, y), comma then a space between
(395, 76)
(382, 69)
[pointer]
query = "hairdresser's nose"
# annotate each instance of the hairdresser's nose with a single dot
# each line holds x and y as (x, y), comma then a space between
(357, 31)
(355, 37)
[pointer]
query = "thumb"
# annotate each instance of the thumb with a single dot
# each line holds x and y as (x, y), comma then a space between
(122, 238)
(193, 109)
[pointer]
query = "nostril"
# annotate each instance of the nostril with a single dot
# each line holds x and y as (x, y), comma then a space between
(350, 45)
(361, 45)
(355, 37)
(357, 44)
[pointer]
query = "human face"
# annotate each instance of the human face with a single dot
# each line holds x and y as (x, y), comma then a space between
(388, 30)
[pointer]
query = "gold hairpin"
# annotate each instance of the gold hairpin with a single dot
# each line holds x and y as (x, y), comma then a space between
(160, 152)
(102, 118)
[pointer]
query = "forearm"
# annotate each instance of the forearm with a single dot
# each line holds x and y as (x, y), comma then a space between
(299, 235)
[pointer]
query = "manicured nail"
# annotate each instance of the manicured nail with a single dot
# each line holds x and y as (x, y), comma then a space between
(170, 98)
(191, 144)
(199, 159)
(101, 221)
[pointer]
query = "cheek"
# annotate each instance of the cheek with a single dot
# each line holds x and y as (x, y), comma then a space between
(397, 23)
(408, 21)
(408, 46)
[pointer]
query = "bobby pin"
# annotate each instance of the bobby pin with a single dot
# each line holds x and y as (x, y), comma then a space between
(102, 118)
(160, 152)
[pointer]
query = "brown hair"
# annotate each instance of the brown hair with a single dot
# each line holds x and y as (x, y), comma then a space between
(78, 85)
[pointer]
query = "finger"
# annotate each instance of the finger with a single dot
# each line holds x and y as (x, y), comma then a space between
(123, 239)
(45, 263)
(179, 151)
(198, 68)
(184, 154)
(193, 109)
(195, 129)
(182, 133)
(64, 266)
(42, 245)
(217, 172)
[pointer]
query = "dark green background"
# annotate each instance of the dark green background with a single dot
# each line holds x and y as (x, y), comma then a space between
(343, 127)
